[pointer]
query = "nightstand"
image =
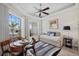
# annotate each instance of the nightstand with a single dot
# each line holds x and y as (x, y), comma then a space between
(68, 42)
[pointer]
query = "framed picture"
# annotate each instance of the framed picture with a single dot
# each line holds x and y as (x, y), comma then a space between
(53, 24)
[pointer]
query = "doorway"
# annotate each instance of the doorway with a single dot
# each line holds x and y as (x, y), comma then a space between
(33, 28)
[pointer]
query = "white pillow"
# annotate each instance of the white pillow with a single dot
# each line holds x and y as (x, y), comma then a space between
(52, 34)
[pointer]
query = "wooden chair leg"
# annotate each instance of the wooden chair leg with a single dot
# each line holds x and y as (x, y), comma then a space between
(34, 51)
(2, 54)
(25, 53)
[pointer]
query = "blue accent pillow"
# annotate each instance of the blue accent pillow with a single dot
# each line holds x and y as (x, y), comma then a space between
(51, 33)
(48, 33)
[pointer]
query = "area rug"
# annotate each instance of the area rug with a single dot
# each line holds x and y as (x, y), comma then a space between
(45, 49)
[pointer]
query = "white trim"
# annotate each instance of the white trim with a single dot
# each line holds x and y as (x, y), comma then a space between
(12, 10)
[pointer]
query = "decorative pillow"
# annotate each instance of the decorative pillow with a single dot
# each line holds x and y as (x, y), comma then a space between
(51, 33)
(57, 34)
(48, 33)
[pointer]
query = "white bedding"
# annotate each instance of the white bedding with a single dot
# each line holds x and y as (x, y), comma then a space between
(54, 40)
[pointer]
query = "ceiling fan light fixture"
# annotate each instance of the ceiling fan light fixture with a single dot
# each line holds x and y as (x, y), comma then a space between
(40, 11)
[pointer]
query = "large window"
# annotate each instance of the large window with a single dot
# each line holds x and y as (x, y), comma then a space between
(14, 25)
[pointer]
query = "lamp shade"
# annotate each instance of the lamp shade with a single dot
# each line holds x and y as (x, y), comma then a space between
(66, 28)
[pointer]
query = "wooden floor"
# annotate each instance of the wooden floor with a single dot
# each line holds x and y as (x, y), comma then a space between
(68, 52)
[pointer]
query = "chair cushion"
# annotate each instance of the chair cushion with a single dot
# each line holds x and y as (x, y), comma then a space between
(28, 46)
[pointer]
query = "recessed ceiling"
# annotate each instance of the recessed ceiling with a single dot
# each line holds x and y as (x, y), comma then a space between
(29, 8)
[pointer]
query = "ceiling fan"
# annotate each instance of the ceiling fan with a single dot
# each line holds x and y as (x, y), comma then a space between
(40, 11)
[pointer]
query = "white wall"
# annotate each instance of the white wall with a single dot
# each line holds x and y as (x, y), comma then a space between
(65, 17)
(4, 29)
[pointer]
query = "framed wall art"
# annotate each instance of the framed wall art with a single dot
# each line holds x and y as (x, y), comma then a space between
(53, 24)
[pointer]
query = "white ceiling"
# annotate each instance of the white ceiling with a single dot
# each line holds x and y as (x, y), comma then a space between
(29, 8)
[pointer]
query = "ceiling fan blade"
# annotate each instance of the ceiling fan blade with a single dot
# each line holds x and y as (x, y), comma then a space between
(45, 8)
(39, 14)
(45, 13)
